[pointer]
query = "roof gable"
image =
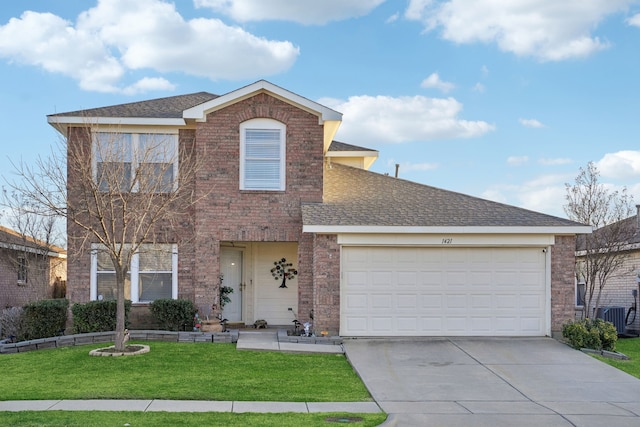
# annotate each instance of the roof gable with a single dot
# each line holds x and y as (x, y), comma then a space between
(200, 111)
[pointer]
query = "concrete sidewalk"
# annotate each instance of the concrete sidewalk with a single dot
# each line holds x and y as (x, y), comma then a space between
(268, 341)
(187, 406)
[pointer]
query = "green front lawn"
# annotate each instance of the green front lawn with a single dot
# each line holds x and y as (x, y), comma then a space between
(180, 371)
(631, 348)
(154, 419)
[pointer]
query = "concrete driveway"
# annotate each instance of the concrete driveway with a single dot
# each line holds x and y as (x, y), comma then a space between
(493, 382)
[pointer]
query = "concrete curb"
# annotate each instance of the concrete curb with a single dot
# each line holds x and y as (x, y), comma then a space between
(153, 405)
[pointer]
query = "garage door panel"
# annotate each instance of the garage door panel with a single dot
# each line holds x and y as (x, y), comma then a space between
(407, 279)
(430, 301)
(356, 279)
(407, 302)
(354, 302)
(430, 278)
(443, 291)
(381, 301)
(382, 325)
(456, 302)
(407, 324)
(481, 301)
(381, 278)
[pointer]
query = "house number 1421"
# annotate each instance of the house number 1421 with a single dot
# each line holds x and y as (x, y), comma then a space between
(447, 241)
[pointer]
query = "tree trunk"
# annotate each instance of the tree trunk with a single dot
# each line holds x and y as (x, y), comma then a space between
(120, 326)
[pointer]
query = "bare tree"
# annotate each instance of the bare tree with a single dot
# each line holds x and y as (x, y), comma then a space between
(121, 193)
(33, 245)
(600, 255)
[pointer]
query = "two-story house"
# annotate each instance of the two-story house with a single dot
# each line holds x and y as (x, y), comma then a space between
(369, 254)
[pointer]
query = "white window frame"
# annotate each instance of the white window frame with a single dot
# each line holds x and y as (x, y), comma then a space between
(263, 124)
(23, 269)
(136, 148)
(579, 297)
(134, 274)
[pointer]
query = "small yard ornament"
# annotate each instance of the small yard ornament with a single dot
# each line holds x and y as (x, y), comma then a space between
(283, 270)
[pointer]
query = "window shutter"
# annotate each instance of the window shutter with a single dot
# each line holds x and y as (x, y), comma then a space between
(262, 159)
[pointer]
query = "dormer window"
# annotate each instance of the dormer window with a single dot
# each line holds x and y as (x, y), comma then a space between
(262, 155)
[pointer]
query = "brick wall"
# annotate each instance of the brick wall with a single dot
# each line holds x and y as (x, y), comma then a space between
(224, 213)
(562, 282)
(326, 277)
(177, 227)
(617, 292)
(14, 294)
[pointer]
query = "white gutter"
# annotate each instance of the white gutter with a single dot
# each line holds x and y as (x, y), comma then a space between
(341, 229)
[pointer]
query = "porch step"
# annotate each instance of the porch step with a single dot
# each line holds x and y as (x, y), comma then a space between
(253, 340)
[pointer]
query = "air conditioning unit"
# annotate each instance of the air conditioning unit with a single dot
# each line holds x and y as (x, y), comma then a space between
(614, 315)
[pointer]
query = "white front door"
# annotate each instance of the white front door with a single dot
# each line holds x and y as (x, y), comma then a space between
(231, 270)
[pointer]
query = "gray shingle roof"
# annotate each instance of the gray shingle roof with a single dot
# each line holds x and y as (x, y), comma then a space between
(356, 197)
(343, 146)
(161, 108)
(627, 229)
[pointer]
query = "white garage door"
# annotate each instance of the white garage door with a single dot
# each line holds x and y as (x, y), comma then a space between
(443, 292)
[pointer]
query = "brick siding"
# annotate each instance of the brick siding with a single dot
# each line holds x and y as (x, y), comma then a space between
(225, 213)
(326, 278)
(562, 282)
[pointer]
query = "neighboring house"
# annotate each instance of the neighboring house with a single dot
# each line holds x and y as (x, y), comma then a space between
(623, 285)
(30, 270)
(374, 255)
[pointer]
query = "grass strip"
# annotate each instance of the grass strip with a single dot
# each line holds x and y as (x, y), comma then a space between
(631, 348)
(177, 419)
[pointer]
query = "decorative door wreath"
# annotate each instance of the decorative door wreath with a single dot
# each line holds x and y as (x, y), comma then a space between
(283, 270)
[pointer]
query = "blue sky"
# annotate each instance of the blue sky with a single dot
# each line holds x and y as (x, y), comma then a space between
(500, 100)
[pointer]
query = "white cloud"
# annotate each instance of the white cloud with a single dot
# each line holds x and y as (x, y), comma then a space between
(549, 30)
(384, 119)
(555, 162)
(119, 35)
(620, 165)
(517, 160)
(308, 12)
(392, 18)
(634, 20)
(531, 123)
(434, 81)
(50, 42)
(544, 193)
(147, 84)
(479, 87)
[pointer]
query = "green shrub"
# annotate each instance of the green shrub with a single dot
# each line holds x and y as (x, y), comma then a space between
(595, 334)
(173, 314)
(43, 319)
(97, 316)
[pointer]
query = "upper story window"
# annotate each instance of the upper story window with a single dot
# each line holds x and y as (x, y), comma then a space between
(262, 155)
(145, 163)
